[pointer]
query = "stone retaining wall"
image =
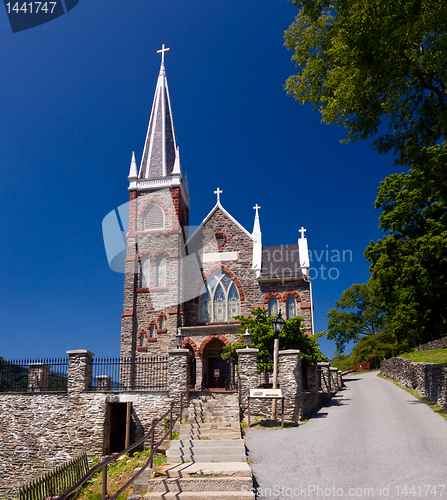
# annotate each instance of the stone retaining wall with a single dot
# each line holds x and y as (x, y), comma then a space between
(428, 379)
(436, 344)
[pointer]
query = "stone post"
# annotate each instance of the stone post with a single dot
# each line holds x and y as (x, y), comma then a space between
(325, 379)
(248, 375)
(104, 382)
(312, 378)
(340, 380)
(79, 371)
(178, 374)
(290, 382)
(38, 377)
(334, 378)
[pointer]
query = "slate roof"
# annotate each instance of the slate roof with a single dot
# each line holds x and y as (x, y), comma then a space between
(159, 149)
(281, 263)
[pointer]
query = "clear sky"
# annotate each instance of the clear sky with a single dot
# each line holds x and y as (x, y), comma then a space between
(75, 99)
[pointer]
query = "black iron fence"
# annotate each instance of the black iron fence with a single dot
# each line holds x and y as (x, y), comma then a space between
(56, 480)
(25, 375)
(126, 374)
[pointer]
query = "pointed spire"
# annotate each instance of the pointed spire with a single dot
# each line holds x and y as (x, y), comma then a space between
(160, 147)
(177, 170)
(133, 173)
(257, 244)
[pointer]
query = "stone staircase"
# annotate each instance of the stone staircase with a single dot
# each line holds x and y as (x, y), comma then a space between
(208, 461)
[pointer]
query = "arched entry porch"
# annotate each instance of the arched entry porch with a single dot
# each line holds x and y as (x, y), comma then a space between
(216, 372)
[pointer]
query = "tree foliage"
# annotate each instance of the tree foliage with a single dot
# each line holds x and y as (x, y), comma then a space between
(355, 315)
(409, 264)
(259, 324)
(363, 61)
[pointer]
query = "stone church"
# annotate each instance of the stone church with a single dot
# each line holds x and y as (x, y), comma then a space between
(189, 285)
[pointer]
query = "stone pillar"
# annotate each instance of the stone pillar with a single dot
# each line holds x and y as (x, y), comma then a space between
(248, 375)
(79, 371)
(340, 380)
(290, 383)
(38, 377)
(178, 375)
(325, 378)
(104, 382)
(334, 378)
(312, 378)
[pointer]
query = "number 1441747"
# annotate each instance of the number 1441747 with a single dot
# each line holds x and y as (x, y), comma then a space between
(31, 7)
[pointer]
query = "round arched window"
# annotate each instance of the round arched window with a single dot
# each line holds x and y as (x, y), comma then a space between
(219, 300)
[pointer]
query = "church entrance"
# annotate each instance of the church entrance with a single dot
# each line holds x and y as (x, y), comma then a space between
(217, 374)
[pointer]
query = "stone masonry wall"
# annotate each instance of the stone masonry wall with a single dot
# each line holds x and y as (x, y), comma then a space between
(428, 379)
(436, 344)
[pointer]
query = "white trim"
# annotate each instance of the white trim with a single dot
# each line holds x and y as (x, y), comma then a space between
(218, 256)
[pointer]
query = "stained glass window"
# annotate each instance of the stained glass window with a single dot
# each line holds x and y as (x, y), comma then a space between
(219, 300)
(291, 307)
(145, 272)
(161, 271)
(273, 306)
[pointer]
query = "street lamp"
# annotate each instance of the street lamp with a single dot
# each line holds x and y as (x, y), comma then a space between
(247, 338)
(278, 327)
(179, 338)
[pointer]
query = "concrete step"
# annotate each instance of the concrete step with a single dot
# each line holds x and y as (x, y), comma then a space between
(211, 425)
(208, 443)
(201, 495)
(210, 435)
(199, 469)
(179, 484)
(200, 457)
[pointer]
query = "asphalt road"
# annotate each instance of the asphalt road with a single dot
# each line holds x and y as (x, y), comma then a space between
(374, 440)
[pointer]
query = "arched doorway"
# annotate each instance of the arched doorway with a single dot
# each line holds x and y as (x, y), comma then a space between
(216, 371)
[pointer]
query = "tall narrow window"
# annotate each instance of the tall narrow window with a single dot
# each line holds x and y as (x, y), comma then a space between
(291, 307)
(152, 331)
(162, 322)
(154, 218)
(219, 300)
(143, 339)
(145, 272)
(273, 306)
(161, 271)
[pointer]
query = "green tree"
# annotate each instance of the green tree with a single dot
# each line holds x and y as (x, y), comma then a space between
(355, 315)
(409, 264)
(364, 61)
(259, 324)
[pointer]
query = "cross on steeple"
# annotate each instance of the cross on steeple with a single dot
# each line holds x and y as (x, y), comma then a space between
(218, 192)
(302, 231)
(257, 207)
(162, 51)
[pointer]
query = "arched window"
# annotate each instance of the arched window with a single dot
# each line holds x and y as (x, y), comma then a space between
(154, 218)
(291, 307)
(161, 271)
(152, 331)
(143, 339)
(162, 322)
(219, 300)
(273, 306)
(145, 272)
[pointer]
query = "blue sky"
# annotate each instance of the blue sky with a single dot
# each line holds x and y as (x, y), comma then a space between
(75, 99)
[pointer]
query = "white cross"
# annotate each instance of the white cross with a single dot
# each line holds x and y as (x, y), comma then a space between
(162, 51)
(257, 207)
(302, 231)
(218, 192)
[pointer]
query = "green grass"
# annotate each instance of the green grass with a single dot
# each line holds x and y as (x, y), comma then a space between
(117, 475)
(414, 393)
(438, 356)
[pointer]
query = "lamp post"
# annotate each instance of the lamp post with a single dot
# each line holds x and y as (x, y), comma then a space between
(247, 338)
(278, 327)
(179, 338)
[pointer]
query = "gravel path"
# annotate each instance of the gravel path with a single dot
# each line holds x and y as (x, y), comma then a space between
(373, 440)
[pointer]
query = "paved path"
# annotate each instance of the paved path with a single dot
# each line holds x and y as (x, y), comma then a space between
(372, 435)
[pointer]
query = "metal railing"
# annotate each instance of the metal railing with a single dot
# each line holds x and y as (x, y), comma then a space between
(58, 479)
(130, 374)
(26, 375)
(150, 435)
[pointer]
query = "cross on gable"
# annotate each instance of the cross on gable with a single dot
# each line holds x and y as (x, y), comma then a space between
(218, 192)
(302, 231)
(256, 207)
(162, 51)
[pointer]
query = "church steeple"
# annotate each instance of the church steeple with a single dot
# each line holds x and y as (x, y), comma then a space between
(160, 147)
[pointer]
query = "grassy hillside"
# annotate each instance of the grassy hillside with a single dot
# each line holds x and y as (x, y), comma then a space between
(438, 356)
